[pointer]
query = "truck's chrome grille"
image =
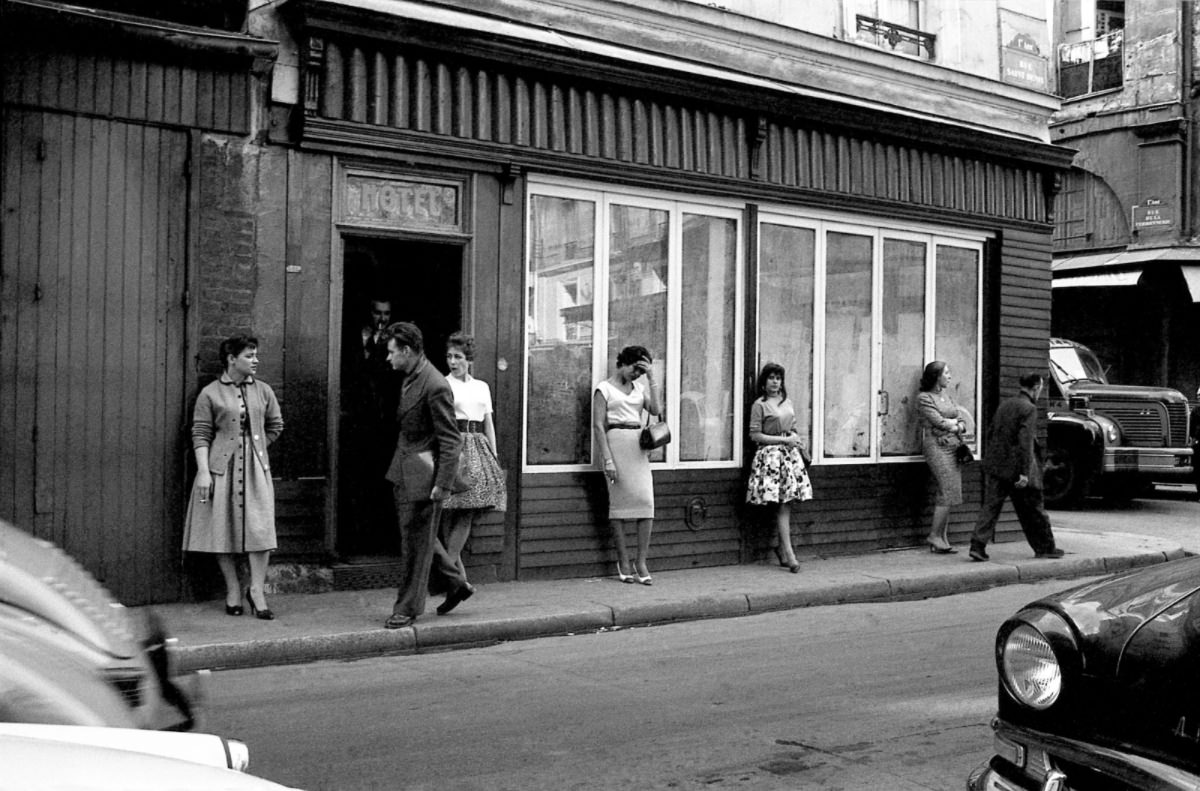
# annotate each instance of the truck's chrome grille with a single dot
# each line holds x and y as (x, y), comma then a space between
(1142, 425)
(1178, 415)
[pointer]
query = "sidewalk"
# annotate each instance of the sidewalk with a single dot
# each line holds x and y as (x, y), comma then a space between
(349, 624)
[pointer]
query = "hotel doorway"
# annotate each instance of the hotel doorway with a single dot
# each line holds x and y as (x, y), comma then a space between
(385, 280)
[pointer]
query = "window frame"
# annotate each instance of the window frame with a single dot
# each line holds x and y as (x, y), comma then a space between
(604, 196)
(933, 236)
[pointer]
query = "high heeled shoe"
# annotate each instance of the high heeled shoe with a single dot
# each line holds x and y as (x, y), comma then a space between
(935, 549)
(622, 576)
(264, 614)
(233, 609)
(643, 580)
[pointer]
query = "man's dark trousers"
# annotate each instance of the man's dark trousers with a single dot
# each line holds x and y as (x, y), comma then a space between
(418, 528)
(1030, 508)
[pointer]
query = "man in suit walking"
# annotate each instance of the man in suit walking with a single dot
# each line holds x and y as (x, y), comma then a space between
(1012, 468)
(423, 470)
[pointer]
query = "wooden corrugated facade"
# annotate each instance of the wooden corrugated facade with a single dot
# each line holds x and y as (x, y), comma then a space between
(263, 208)
(385, 100)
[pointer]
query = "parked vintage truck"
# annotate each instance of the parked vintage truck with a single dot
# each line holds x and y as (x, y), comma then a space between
(1106, 439)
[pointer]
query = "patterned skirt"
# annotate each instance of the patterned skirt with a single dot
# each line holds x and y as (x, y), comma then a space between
(478, 464)
(778, 475)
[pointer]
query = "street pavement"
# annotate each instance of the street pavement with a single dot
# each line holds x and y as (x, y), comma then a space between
(349, 624)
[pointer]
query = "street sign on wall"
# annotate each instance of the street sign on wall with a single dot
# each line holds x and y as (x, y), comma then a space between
(1153, 215)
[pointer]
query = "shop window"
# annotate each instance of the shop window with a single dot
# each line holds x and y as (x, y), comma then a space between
(665, 277)
(903, 336)
(786, 281)
(886, 302)
(560, 319)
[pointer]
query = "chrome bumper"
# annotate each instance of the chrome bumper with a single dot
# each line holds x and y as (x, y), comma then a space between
(1029, 760)
(1164, 462)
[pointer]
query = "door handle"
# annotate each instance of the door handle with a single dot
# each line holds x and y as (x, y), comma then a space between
(885, 404)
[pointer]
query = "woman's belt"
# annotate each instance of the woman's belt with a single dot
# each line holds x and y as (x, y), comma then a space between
(633, 426)
(470, 426)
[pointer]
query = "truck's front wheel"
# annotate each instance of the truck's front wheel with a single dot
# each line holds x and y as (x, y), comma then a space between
(1063, 478)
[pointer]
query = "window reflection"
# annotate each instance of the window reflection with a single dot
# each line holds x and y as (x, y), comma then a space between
(638, 248)
(848, 339)
(707, 350)
(955, 337)
(559, 329)
(786, 270)
(903, 345)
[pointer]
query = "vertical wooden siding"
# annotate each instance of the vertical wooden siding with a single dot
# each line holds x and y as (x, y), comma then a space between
(129, 88)
(1024, 306)
(92, 344)
(375, 84)
(417, 94)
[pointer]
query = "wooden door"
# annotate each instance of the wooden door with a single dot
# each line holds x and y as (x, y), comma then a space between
(92, 348)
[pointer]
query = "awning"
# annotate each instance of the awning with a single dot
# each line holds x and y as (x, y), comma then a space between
(1127, 277)
(1122, 258)
(1191, 273)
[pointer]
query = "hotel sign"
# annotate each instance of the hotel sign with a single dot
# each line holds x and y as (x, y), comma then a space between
(407, 205)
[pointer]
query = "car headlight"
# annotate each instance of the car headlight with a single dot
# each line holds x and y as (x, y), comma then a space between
(1030, 668)
(1112, 434)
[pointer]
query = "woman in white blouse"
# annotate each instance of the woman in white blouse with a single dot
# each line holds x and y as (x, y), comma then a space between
(617, 406)
(477, 462)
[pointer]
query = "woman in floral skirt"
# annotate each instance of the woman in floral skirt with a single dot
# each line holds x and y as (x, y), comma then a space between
(778, 475)
(477, 461)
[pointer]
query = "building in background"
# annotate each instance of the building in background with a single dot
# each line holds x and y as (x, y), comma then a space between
(1126, 259)
(848, 188)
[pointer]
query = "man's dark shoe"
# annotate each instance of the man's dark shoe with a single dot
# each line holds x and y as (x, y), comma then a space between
(396, 621)
(455, 598)
(978, 555)
(1050, 554)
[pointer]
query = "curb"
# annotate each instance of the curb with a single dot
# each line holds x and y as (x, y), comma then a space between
(434, 635)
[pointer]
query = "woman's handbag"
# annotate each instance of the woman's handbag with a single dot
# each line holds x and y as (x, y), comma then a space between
(962, 454)
(655, 435)
(804, 454)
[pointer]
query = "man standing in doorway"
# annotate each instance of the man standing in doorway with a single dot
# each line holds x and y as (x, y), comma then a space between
(1012, 468)
(423, 470)
(369, 394)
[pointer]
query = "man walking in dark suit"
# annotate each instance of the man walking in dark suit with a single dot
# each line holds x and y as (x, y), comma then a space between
(422, 473)
(1013, 468)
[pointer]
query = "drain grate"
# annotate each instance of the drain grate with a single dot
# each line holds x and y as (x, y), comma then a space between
(364, 576)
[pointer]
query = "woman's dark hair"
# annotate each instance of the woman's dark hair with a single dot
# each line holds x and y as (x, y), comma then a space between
(933, 372)
(463, 341)
(768, 370)
(631, 354)
(235, 345)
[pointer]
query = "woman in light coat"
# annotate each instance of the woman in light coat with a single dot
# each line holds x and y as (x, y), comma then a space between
(232, 506)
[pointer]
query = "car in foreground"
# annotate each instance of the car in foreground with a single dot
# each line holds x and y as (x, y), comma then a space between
(56, 757)
(1099, 687)
(70, 654)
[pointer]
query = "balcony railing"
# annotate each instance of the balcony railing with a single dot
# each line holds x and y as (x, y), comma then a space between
(1091, 66)
(899, 38)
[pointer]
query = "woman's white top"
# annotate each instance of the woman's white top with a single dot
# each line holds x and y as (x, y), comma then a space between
(623, 407)
(472, 398)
